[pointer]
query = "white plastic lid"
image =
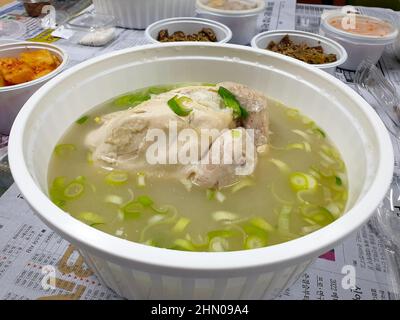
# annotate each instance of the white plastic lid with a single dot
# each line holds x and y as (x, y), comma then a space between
(359, 38)
(92, 21)
(11, 29)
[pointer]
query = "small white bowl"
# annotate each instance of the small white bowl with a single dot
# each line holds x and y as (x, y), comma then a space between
(262, 40)
(139, 14)
(14, 97)
(243, 23)
(358, 47)
(188, 25)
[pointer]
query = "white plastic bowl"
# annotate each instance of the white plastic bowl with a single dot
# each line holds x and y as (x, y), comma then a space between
(243, 23)
(262, 40)
(138, 271)
(358, 47)
(188, 26)
(12, 98)
(138, 14)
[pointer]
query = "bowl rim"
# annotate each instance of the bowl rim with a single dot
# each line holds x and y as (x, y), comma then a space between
(389, 37)
(200, 21)
(35, 45)
(232, 13)
(181, 263)
(306, 35)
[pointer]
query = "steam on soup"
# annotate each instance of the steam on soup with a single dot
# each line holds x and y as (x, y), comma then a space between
(286, 180)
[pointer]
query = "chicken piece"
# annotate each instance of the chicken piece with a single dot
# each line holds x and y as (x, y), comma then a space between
(231, 156)
(256, 105)
(121, 141)
(15, 71)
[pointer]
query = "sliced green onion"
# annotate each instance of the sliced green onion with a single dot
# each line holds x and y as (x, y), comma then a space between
(321, 216)
(327, 158)
(145, 201)
(210, 194)
(284, 220)
(292, 113)
(187, 183)
(114, 199)
(319, 131)
(162, 209)
(91, 218)
(218, 244)
(300, 195)
(325, 172)
(309, 229)
(300, 146)
(307, 120)
(62, 150)
(156, 90)
(74, 190)
(82, 120)
(117, 178)
(334, 209)
(277, 197)
(254, 242)
(181, 224)
(183, 244)
(220, 234)
(156, 219)
(177, 105)
(302, 181)
(141, 179)
(251, 229)
(302, 134)
(132, 210)
(315, 174)
(231, 102)
(338, 181)
(281, 165)
(224, 215)
(59, 182)
(219, 196)
(245, 182)
(56, 191)
(131, 100)
(89, 158)
(262, 224)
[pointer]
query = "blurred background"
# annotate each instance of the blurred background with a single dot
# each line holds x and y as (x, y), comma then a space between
(392, 4)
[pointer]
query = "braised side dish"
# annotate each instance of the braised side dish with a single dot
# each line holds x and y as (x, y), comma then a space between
(301, 51)
(100, 171)
(205, 34)
(26, 67)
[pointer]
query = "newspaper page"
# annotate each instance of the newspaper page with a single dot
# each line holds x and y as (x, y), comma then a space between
(29, 250)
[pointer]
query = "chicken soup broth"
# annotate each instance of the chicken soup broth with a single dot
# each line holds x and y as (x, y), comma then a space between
(297, 186)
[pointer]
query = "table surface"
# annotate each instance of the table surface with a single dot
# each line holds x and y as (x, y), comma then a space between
(4, 2)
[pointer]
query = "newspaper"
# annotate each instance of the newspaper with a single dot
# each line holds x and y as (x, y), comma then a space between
(357, 269)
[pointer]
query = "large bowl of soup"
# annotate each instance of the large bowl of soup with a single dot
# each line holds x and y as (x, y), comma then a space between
(322, 163)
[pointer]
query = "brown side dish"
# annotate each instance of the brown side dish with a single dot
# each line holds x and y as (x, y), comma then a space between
(205, 34)
(303, 52)
(26, 67)
(34, 8)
